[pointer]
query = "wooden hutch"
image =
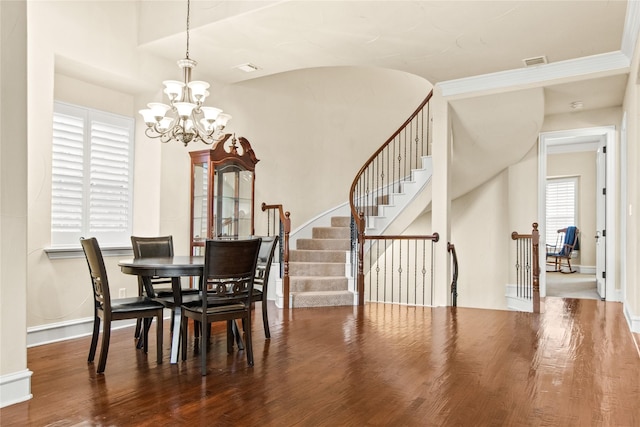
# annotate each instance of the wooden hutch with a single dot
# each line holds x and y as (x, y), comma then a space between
(222, 192)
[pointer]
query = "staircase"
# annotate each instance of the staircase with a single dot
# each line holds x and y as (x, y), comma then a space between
(318, 275)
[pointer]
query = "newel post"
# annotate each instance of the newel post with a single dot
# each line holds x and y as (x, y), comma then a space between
(360, 275)
(535, 240)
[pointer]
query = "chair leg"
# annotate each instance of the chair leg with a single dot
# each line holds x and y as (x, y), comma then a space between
(159, 328)
(203, 347)
(94, 339)
(265, 319)
(145, 334)
(183, 340)
(248, 343)
(136, 333)
(237, 335)
(230, 336)
(104, 350)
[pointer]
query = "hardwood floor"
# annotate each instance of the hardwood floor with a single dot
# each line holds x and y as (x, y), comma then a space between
(576, 364)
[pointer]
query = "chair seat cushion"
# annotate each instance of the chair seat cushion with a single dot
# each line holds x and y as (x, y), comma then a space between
(123, 305)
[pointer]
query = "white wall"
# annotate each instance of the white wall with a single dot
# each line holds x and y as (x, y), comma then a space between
(311, 130)
(631, 212)
(84, 53)
(15, 384)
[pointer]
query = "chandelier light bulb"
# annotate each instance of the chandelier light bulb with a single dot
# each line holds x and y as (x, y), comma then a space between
(198, 90)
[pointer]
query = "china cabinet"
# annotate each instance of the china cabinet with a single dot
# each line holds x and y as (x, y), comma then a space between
(222, 192)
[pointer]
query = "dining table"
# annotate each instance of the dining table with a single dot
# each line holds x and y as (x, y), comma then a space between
(175, 268)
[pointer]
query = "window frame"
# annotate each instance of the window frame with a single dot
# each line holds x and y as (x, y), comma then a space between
(552, 226)
(66, 243)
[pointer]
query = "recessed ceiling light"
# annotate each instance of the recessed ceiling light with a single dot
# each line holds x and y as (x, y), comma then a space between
(576, 105)
(247, 68)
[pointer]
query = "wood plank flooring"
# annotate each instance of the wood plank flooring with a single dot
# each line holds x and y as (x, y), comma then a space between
(576, 364)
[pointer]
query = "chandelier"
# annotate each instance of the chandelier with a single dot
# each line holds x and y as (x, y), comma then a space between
(185, 118)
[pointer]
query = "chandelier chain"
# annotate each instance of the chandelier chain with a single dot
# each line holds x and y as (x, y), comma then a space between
(188, 14)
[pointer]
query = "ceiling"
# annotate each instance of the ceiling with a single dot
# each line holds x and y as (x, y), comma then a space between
(440, 41)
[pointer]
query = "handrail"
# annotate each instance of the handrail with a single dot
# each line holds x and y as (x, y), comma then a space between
(378, 176)
(535, 261)
(284, 231)
(373, 157)
(454, 281)
(400, 268)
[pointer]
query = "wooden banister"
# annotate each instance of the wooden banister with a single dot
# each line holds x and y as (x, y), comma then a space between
(388, 167)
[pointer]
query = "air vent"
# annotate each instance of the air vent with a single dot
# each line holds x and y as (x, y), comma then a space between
(247, 68)
(538, 60)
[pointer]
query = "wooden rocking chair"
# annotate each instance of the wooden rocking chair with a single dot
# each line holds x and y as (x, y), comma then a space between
(566, 243)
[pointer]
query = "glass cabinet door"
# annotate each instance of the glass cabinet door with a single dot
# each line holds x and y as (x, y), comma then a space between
(233, 194)
(222, 190)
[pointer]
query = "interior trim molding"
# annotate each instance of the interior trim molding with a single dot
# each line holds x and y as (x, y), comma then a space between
(606, 63)
(62, 331)
(15, 388)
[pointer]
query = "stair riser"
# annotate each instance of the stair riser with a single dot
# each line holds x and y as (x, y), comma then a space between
(315, 300)
(341, 221)
(308, 284)
(331, 233)
(324, 244)
(317, 256)
(316, 269)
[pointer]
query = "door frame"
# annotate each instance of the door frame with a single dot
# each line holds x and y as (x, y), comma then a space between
(582, 136)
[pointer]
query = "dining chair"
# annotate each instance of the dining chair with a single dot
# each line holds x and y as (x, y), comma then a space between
(110, 310)
(158, 288)
(261, 281)
(226, 294)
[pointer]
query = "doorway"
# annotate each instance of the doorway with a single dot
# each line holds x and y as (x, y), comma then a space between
(599, 142)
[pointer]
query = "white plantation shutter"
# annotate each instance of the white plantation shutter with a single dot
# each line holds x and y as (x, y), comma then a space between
(91, 176)
(561, 206)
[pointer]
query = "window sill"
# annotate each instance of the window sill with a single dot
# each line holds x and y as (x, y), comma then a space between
(61, 253)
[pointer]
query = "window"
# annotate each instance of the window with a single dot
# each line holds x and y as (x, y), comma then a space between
(91, 183)
(562, 199)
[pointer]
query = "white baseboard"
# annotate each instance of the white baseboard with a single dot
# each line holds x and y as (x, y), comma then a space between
(516, 303)
(632, 320)
(15, 388)
(62, 331)
(586, 269)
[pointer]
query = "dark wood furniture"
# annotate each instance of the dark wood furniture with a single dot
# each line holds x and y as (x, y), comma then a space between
(227, 292)
(174, 267)
(222, 192)
(110, 310)
(261, 282)
(157, 288)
